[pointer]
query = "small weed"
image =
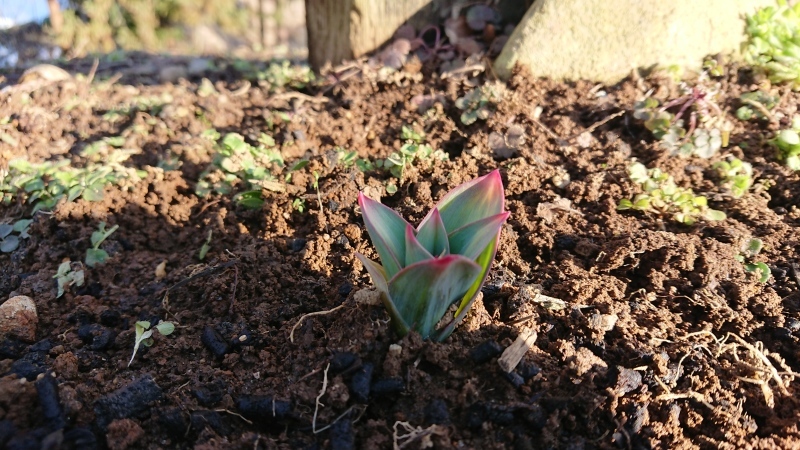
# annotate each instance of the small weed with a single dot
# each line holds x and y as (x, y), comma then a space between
(707, 131)
(773, 34)
(299, 205)
(45, 184)
(9, 241)
(238, 164)
(749, 250)
(144, 334)
(201, 255)
(96, 255)
(66, 276)
(788, 144)
(756, 104)
(664, 198)
(479, 103)
(737, 176)
(277, 75)
(412, 150)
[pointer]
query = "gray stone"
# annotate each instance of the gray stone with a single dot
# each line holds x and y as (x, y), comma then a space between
(604, 40)
(18, 318)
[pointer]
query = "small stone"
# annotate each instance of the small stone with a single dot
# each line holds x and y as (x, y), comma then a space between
(627, 381)
(368, 297)
(172, 73)
(214, 342)
(127, 401)
(484, 352)
(66, 365)
(18, 318)
(602, 322)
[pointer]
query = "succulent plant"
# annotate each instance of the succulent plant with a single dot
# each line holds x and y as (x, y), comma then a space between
(442, 262)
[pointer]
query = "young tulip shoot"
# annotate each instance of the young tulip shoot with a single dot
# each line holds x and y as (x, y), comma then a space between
(444, 261)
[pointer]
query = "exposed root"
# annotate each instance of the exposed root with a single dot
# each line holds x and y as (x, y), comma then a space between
(414, 433)
(317, 402)
(316, 313)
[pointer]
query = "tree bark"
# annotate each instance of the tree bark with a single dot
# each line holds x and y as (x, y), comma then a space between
(346, 29)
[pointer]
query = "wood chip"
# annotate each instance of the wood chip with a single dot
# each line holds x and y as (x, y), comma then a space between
(513, 354)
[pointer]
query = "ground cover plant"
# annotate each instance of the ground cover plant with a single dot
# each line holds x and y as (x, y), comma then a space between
(668, 326)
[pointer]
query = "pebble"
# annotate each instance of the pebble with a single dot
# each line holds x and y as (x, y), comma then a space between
(602, 322)
(388, 386)
(485, 351)
(262, 408)
(47, 389)
(360, 383)
(436, 412)
(127, 401)
(214, 342)
(341, 435)
(18, 318)
(30, 366)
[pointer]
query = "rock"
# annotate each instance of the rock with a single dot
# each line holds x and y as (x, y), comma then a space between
(603, 40)
(602, 322)
(128, 401)
(172, 73)
(18, 318)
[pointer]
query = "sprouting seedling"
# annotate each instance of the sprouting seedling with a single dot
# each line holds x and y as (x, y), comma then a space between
(316, 188)
(756, 104)
(749, 250)
(144, 334)
(299, 205)
(412, 149)
(788, 144)
(67, 277)
(479, 103)
(772, 42)
(442, 262)
(663, 197)
(201, 255)
(737, 176)
(10, 241)
(96, 255)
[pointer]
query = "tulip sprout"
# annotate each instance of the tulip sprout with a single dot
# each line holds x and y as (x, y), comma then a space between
(444, 261)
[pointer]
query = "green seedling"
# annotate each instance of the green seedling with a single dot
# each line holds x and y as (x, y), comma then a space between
(412, 150)
(239, 165)
(66, 277)
(707, 131)
(664, 198)
(736, 175)
(441, 263)
(45, 184)
(297, 166)
(201, 255)
(773, 42)
(749, 250)
(788, 144)
(299, 205)
(96, 255)
(144, 335)
(278, 75)
(479, 103)
(757, 105)
(11, 235)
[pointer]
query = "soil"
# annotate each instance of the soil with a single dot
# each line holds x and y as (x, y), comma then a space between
(663, 342)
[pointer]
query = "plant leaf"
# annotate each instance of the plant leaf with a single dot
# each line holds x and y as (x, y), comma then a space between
(378, 276)
(165, 328)
(387, 230)
(9, 244)
(415, 252)
(422, 292)
(471, 201)
(471, 240)
(433, 235)
(485, 261)
(95, 256)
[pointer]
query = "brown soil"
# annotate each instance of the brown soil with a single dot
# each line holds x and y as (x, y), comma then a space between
(665, 374)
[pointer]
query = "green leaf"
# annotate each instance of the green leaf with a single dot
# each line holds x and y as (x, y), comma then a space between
(762, 269)
(471, 240)
(422, 292)
(165, 328)
(249, 199)
(205, 247)
(95, 256)
(299, 165)
(415, 252)
(624, 204)
(9, 244)
(714, 215)
(433, 235)
(5, 230)
(387, 231)
(471, 201)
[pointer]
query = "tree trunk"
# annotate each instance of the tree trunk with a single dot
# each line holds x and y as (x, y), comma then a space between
(346, 29)
(56, 19)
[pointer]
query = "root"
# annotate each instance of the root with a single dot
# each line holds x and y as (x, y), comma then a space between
(316, 313)
(317, 402)
(414, 433)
